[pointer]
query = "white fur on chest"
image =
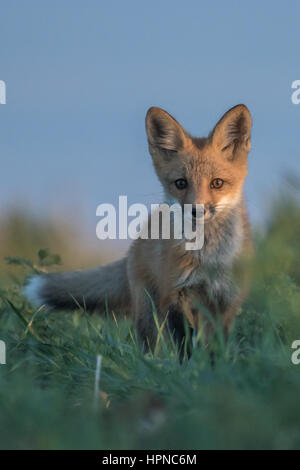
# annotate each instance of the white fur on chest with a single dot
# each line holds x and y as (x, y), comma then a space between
(208, 265)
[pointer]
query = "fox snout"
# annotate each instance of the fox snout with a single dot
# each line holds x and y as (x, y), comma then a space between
(199, 212)
(205, 211)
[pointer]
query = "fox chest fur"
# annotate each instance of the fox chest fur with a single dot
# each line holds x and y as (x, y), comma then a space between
(222, 245)
(207, 276)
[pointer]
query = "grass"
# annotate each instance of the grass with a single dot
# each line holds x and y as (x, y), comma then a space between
(249, 398)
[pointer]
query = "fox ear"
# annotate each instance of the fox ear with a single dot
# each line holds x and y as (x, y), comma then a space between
(163, 131)
(232, 133)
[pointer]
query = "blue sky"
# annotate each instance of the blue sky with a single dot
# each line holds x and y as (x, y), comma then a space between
(81, 75)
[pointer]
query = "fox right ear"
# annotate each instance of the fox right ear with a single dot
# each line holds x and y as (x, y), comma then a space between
(232, 133)
(163, 131)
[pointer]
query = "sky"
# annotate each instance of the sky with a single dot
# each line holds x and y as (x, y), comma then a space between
(80, 76)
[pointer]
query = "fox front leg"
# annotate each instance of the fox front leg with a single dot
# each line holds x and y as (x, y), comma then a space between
(143, 306)
(169, 320)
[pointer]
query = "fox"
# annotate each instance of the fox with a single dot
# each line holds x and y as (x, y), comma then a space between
(197, 288)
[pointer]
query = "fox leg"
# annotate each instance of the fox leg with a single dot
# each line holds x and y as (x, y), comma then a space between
(143, 305)
(223, 310)
(180, 330)
(172, 318)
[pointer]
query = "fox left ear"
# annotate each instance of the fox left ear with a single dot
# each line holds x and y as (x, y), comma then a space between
(232, 133)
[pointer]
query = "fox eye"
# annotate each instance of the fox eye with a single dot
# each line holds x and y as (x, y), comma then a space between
(217, 183)
(181, 183)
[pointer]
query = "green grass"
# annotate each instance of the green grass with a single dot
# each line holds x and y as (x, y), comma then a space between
(249, 398)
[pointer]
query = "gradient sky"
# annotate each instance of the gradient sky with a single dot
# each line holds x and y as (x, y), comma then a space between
(81, 75)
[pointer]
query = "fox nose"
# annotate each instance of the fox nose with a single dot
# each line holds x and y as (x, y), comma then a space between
(198, 213)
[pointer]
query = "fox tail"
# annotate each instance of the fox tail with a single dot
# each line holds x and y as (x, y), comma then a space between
(92, 289)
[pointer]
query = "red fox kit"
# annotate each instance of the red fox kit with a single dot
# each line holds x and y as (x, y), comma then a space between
(209, 171)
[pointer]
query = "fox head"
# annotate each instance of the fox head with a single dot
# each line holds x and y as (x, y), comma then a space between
(210, 170)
